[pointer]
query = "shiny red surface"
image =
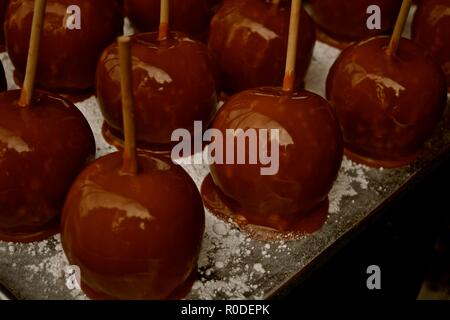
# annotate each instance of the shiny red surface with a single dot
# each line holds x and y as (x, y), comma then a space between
(134, 237)
(431, 30)
(311, 151)
(42, 150)
(174, 84)
(347, 20)
(68, 58)
(249, 42)
(387, 107)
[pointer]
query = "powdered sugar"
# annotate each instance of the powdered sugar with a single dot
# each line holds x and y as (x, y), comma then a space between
(352, 177)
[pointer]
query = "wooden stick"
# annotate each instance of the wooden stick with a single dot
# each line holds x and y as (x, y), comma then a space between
(399, 27)
(33, 53)
(126, 80)
(275, 2)
(164, 22)
(289, 77)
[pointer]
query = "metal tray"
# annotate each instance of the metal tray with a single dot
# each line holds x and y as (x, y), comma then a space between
(232, 265)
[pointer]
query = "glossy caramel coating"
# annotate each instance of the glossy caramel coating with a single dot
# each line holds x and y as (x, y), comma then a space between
(387, 107)
(190, 17)
(431, 30)
(311, 151)
(68, 58)
(347, 20)
(174, 84)
(42, 150)
(249, 40)
(134, 237)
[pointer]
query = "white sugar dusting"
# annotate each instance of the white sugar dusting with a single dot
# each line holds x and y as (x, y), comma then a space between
(48, 270)
(259, 268)
(352, 176)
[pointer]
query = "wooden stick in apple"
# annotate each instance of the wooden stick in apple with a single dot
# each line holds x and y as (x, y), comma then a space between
(164, 22)
(399, 27)
(126, 80)
(289, 78)
(33, 53)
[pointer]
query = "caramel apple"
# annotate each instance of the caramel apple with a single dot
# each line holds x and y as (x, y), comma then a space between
(431, 30)
(249, 38)
(151, 228)
(346, 21)
(44, 143)
(296, 198)
(69, 55)
(133, 222)
(387, 106)
(389, 97)
(173, 85)
(306, 151)
(190, 17)
(43, 147)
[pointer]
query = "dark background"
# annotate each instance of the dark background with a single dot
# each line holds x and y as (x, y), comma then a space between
(410, 242)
